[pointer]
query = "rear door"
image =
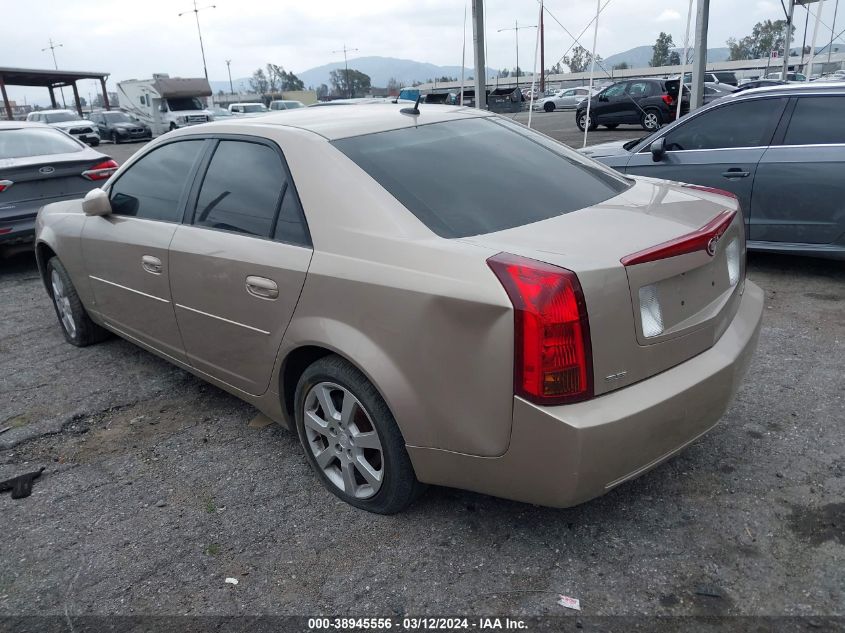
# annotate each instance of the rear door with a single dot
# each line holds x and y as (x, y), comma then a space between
(238, 267)
(636, 92)
(799, 192)
(126, 252)
(720, 147)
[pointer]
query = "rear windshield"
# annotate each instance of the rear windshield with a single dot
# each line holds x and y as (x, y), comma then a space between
(480, 175)
(22, 142)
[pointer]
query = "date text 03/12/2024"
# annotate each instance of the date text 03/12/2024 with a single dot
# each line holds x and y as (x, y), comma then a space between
(417, 624)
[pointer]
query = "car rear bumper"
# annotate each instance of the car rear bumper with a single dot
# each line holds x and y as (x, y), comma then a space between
(565, 455)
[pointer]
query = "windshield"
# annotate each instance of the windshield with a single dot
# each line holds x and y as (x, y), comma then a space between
(185, 103)
(36, 141)
(428, 169)
(58, 117)
(253, 107)
(117, 117)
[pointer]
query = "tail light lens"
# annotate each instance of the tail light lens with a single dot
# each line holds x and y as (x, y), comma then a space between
(101, 171)
(5, 184)
(669, 100)
(552, 353)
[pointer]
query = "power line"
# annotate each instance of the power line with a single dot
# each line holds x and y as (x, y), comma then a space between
(516, 29)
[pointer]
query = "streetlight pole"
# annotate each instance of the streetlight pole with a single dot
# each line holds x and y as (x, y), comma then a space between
(52, 48)
(229, 70)
(345, 50)
(196, 11)
(516, 29)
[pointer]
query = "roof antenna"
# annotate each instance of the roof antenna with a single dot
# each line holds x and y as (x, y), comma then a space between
(415, 110)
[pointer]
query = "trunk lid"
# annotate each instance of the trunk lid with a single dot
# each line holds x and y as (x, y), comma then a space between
(649, 316)
(44, 178)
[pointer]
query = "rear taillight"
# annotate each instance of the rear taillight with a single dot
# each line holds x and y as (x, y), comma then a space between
(703, 239)
(101, 171)
(552, 353)
(669, 100)
(5, 184)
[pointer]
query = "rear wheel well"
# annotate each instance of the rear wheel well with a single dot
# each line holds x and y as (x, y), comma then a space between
(43, 254)
(295, 364)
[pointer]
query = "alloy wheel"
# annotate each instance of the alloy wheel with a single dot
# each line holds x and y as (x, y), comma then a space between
(650, 121)
(63, 304)
(343, 440)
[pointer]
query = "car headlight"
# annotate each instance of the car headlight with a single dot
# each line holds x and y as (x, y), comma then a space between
(182, 119)
(122, 130)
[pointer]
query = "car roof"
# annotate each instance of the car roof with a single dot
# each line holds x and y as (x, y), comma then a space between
(54, 111)
(14, 125)
(790, 90)
(336, 123)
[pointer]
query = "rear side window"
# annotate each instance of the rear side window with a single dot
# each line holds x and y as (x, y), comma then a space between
(743, 124)
(480, 175)
(152, 188)
(639, 88)
(36, 142)
(817, 121)
(242, 189)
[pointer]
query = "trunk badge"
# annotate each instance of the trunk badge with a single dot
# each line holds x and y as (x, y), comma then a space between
(711, 245)
(616, 376)
(47, 170)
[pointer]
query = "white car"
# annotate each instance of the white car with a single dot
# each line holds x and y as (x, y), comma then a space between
(248, 109)
(565, 99)
(70, 122)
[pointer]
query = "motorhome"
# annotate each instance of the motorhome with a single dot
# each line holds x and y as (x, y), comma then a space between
(166, 103)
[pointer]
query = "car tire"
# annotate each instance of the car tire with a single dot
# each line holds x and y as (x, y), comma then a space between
(549, 107)
(331, 448)
(94, 143)
(651, 120)
(76, 325)
(173, 126)
(581, 120)
(611, 126)
(115, 138)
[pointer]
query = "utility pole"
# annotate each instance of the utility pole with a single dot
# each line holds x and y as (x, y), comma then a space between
(52, 48)
(516, 29)
(699, 63)
(229, 70)
(809, 71)
(542, 51)
(196, 11)
(788, 40)
(832, 31)
(478, 47)
(345, 50)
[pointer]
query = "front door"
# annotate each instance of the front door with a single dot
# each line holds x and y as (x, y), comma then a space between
(799, 192)
(611, 104)
(237, 271)
(720, 148)
(126, 252)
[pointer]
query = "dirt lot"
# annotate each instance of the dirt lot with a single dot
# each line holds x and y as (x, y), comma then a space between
(157, 489)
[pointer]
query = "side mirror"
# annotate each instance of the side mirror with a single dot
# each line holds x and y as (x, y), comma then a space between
(162, 108)
(658, 150)
(96, 202)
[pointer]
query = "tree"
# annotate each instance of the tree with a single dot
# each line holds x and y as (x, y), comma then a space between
(557, 69)
(504, 73)
(395, 85)
(272, 79)
(765, 37)
(258, 82)
(359, 83)
(661, 50)
(621, 66)
(282, 79)
(322, 91)
(674, 58)
(580, 60)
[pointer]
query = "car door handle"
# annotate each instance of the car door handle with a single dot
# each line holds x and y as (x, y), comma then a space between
(736, 172)
(262, 287)
(151, 264)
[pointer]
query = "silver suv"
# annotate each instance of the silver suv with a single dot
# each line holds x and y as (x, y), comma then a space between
(70, 122)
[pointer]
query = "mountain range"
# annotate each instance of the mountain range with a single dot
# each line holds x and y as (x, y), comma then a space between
(640, 56)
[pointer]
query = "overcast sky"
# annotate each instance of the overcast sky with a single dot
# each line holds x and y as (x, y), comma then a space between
(135, 39)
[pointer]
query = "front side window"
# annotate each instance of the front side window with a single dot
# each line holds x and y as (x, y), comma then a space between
(242, 189)
(153, 187)
(615, 91)
(427, 168)
(743, 124)
(817, 121)
(568, 93)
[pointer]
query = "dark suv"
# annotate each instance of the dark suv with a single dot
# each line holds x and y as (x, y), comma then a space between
(647, 102)
(119, 126)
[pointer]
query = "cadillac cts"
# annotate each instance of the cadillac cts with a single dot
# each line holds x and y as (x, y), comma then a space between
(426, 297)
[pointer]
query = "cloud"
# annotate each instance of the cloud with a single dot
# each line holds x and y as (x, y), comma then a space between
(668, 15)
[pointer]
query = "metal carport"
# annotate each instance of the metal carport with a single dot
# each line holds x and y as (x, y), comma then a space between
(49, 79)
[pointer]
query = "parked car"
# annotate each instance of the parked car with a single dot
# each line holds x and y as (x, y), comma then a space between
(463, 335)
(780, 150)
(119, 127)
(248, 109)
(647, 102)
(716, 77)
(281, 104)
(220, 113)
(715, 91)
(759, 83)
(69, 122)
(790, 77)
(40, 165)
(565, 99)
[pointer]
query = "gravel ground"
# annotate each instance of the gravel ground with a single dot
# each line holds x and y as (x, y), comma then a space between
(157, 488)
